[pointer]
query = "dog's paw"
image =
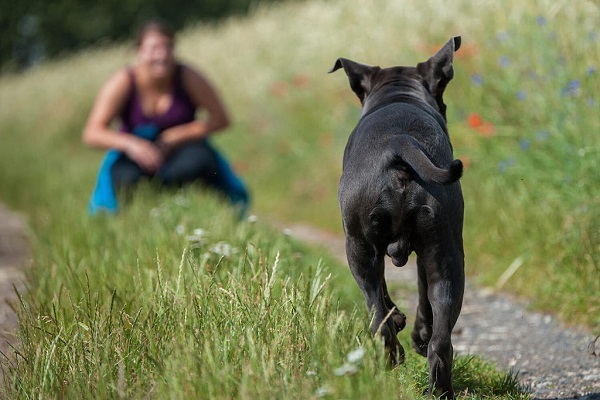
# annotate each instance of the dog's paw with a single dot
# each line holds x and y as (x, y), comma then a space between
(399, 320)
(387, 329)
(395, 353)
(418, 344)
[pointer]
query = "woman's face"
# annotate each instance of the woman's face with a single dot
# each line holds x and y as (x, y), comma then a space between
(155, 54)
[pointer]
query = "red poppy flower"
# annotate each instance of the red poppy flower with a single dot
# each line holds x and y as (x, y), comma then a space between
(301, 81)
(474, 120)
(467, 50)
(279, 89)
(485, 128)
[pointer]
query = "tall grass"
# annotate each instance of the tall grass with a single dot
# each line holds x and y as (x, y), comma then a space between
(176, 299)
(129, 307)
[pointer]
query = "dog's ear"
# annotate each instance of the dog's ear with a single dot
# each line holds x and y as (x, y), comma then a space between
(440, 64)
(438, 71)
(359, 75)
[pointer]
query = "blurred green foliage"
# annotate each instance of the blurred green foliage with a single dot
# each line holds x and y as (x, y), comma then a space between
(34, 30)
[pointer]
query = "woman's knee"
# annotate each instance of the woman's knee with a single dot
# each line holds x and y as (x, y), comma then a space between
(191, 162)
(125, 173)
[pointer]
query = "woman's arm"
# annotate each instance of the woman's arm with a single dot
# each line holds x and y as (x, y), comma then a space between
(98, 133)
(204, 96)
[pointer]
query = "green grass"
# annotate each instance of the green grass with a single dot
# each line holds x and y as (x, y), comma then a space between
(128, 307)
(176, 299)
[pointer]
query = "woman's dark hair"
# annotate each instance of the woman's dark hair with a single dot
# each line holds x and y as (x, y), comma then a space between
(154, 25)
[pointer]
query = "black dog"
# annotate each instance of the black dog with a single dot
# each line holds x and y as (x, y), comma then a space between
(399, 193)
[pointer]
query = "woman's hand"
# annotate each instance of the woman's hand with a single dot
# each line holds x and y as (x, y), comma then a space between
(145, 153)
(171, 138)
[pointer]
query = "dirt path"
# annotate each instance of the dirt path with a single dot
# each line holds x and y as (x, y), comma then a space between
(554, 361)
(14, 250)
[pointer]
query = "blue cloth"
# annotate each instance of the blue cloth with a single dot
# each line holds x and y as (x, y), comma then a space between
(104, 198)
(232, 185)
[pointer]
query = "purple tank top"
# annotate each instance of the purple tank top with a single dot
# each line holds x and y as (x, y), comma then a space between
(181, 111)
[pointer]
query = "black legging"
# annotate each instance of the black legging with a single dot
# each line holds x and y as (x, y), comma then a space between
(193, 161)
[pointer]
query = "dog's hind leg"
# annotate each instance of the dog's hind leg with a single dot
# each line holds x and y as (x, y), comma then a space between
(421, 333)
(445, 285)
(367, 267)
(439, 351)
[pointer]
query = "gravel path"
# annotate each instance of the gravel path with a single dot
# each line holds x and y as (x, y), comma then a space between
(553, 361)
(14, 250)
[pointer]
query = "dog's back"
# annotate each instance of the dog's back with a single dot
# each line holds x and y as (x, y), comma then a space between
(379, 137)
(396, 159)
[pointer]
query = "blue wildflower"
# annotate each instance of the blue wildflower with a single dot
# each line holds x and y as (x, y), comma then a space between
(572, 88)
(590, 101)
(533, 75)
(542, 21)
(593, 36)
(506, 164)
(521, 95)
(502, 36)
(540, 136)
(504, 61)
(524, 144)
(591, 70)
(477, 79)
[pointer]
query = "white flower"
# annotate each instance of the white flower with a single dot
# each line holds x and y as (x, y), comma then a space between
(323, 391)
(180, 229)
(196, 241)
(353, 360)
(200, 232)
(199, 236)
(356, 356)
(223, 249)
(252, 219)
(180, 201)
(346, 369)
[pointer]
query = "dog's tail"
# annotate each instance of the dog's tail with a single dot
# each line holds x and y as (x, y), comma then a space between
(407, 152)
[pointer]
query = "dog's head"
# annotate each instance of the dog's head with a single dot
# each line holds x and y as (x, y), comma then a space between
(426, 82)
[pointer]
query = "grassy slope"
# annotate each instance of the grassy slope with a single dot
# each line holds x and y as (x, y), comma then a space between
(526, 69)
(530, 188)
